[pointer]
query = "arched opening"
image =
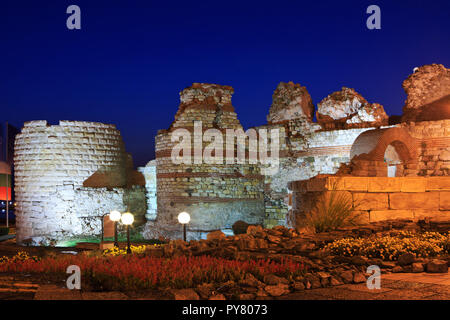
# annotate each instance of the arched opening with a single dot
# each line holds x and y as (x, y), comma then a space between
(383, 152)
(393, 161)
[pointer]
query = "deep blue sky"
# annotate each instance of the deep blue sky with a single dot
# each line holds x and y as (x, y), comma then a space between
(131, 58)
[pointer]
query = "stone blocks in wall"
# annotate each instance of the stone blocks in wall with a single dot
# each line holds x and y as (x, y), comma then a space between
(378, 198)
(53, 165)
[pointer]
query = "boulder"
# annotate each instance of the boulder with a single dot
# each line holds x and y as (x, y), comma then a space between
(299, 286)
(272, 279)
(397, 269)
(215, 235)
(205, 290)
(256, 231)
(240, 227)
(437, 266)
(277, 290)
(217, 297)
(184, 294)
(406, 259)
(347, 276)
(359, 278)
(417, 267)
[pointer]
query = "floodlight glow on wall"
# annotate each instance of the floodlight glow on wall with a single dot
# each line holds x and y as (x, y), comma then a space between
(115, 217)
(184, 219)
(127, 219)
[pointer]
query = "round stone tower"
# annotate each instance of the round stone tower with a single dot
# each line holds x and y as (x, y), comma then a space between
(51, 163)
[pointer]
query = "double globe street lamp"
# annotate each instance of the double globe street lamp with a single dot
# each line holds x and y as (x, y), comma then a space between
(127, 219)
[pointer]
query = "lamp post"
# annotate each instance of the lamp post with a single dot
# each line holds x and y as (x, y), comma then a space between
(184, 219)
(115, 217)
(127, 219)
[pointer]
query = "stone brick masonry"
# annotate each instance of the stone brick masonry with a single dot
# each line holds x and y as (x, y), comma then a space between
(377, 198)
(55, 167)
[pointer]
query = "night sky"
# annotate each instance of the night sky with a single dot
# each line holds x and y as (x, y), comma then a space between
(130, 59)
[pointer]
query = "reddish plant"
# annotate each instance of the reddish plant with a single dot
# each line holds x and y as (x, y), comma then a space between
(138, 272)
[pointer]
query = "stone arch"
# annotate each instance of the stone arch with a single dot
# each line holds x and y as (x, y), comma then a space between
(369, 150)
(373, 143)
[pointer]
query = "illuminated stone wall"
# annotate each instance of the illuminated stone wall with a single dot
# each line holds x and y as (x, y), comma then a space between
(376, 198)
(215, 195)
(66, 176)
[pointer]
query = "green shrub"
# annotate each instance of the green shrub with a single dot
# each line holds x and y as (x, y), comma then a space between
(333, 210)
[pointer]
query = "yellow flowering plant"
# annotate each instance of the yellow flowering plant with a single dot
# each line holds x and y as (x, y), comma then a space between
(391, 247)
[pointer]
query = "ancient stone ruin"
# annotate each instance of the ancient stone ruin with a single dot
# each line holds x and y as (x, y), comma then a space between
(68, 175)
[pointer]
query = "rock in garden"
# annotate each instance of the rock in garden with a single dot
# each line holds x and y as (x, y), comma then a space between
(277, 290)
(272, 279)
(299, 286)
(240, 227)
(205, 290)
(358, 260)
(255, 230)
(215, 235)
(184, 294)
(251, 281)
(359, 278)
(246, 296)
(388, 264)
(335, 281)
(397, 269)
(417, 267)
(437, 266)
(347, 276)
(217, 297)
(406, 259)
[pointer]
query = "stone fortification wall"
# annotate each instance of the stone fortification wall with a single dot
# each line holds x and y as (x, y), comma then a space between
(215, 194)
(59, 169)
(376, 198)
(310, 148)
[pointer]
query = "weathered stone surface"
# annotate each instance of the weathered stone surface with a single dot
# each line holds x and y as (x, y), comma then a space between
(428, 84)
(416, 200)
(406, 259)
(437, 266)
(351, 108)
(290, 101)
(417, 267)
(380, 215)
(184, 294)
(277, 290)
(240, 227)
(215, 235)
(347, 276)
(359, 277)
(370, 201)
(217, 297)
(69, 175)
(381, 184)
(272, 279)
(444, 200)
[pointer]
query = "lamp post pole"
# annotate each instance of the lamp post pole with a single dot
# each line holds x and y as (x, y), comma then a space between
(184, 231)
(116, 242)
(128, 239)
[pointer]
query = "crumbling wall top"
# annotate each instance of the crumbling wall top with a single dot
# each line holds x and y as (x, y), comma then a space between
(290, 101)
